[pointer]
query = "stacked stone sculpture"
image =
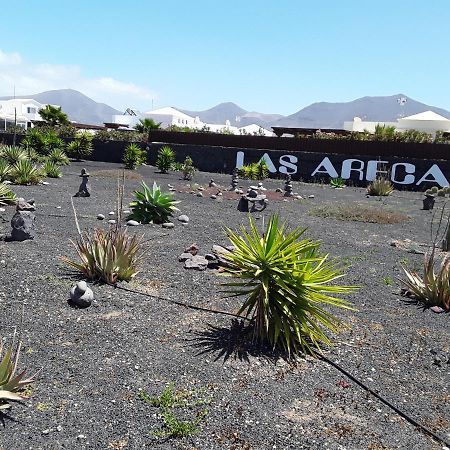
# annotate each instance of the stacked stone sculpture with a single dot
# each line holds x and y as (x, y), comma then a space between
(84, 189)
(288, 186)
(234, 179)
(22, 223)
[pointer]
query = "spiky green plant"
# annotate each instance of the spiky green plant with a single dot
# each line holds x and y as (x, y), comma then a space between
(7, 196)
(286, 283)
(13, 154)
(263, 169)
(165, 159)
(246, 171)
(11, 381)
(58, 157)
(5, 170)
(81, 147)
(337, 183)
(51, 170)
(152, 205)
(433, 288)
(24, 172)
(188, 168)
(380, 187)
(109, 256)
(133, 156)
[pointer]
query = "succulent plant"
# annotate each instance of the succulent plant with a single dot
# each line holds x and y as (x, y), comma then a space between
(441, 193)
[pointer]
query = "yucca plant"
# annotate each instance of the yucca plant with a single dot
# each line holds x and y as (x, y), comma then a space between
(380, 187)
(11, 381)
(165, 159)
(51, 170)
(285, 283)
(152, 205)
(245, 171)
(433, 288)
(58, 157)
(134, 156)
(109, 256)
(5, 170)
(12, 154)
(7, 196)
(24, 172)
(81, 146)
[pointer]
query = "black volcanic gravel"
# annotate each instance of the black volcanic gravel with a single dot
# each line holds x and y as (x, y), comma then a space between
(95, 361)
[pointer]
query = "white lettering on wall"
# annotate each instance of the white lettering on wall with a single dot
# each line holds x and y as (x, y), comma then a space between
(288, 162)
(409, 168)
(270, 164)
(347, 168)
(373, 169)
(328, 168)
(239, 159)
(436, 174)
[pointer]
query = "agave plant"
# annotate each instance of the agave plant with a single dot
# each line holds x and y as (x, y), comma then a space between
(13, 154)
(109, 256)
(7, 196)
(11, 381)
(58, 157)
(51, 170)
(24, 172)
(5, 170)
(285, 283)
(433, 289)
(165, 159)
(152, 205)
(380, 187)
(337, 183)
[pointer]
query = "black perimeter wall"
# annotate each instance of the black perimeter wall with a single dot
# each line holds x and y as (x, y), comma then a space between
(300, 157)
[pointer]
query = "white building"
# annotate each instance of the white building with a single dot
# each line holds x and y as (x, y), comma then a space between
(170, 116)
(427, 121)
(22, 110)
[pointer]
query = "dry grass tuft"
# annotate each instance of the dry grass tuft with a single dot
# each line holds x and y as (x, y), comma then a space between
(355, 212)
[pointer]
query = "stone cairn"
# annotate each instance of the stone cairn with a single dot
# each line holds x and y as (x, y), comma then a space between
(212, 183)
(84, 189)
(288, 186)
(257, 201)
(22, 223)
(234, 179)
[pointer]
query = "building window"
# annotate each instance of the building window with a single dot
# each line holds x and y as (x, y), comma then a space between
(31, 110)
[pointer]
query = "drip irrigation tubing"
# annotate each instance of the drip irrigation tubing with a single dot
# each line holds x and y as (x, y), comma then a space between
(398, 411)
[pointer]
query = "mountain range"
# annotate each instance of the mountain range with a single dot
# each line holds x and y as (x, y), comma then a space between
(83, 109)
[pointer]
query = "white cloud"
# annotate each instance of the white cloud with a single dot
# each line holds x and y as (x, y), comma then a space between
(34, 78)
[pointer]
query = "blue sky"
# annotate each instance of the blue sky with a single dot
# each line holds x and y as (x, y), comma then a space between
(267, 56)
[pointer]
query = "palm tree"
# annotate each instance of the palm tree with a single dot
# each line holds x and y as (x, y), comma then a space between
(54, 116)
(146, 125)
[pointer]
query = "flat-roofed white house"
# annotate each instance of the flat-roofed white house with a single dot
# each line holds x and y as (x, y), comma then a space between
(169, 116)
(427, 121)
(23, 110)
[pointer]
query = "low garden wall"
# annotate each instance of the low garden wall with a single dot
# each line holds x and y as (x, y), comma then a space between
(410, 165)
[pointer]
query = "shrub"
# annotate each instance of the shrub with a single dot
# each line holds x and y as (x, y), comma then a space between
(165, 159)
(380, 187)
(441, 193)
(25, 172)
(188, 168)
(5, 170)
(58, 157)
(11, 382)
(42, 140)
(81, 147)
(109, 256)
(12, 154)
(152, 205)
(263, 169)
(285, 281)
(51, 170)
(7, 196)
(134, 156)
(433, 289)
(177, 166)
(254, 171)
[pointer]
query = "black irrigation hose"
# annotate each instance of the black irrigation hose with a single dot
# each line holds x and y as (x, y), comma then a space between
(383, 400)
(402, 414)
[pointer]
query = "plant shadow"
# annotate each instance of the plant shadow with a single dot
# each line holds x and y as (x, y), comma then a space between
(236, 341)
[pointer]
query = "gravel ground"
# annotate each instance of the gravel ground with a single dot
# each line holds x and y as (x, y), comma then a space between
(96, 361)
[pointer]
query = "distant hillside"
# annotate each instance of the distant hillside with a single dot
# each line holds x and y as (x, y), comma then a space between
(76, 105)
(333, 115)
(237, 116)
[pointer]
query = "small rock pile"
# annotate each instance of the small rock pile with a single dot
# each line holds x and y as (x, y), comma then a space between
(213, 260)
